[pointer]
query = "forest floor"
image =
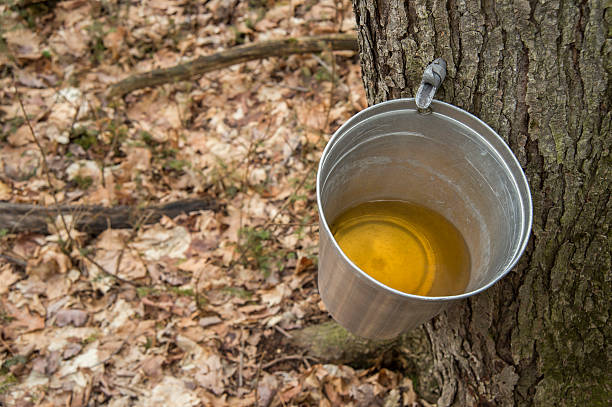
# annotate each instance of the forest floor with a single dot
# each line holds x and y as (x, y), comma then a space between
(192, 310)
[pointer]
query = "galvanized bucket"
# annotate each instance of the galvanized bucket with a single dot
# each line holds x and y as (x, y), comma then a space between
(445, 159)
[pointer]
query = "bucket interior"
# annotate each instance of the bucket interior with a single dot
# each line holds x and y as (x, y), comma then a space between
(441, 163)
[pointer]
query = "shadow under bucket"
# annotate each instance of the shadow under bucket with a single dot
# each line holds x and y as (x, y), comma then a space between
(448, 161)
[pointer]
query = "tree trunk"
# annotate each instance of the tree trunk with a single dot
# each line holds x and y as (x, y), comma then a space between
(539, 74)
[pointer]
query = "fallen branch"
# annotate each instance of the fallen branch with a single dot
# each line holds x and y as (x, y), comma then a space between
(94, 219)
(236, 55)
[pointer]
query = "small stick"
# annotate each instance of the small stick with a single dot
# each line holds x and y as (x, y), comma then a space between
(241, 361)
(43, 156)
(263, 355)
(7, 346)
(288, 201)
(133, 234)
(285, 358)
(282, 85)
(14, 260)
(108, 273)
(282, 331)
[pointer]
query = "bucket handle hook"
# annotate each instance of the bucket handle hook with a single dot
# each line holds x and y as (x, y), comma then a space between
(432, 79)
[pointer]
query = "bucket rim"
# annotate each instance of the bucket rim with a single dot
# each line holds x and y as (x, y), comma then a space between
(509, 159)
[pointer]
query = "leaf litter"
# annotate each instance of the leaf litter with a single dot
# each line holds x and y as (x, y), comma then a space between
(190, 311)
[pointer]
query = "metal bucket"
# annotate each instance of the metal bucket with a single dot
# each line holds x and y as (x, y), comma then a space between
(447, 160)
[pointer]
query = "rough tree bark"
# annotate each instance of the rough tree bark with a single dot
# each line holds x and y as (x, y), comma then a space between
(538, 73)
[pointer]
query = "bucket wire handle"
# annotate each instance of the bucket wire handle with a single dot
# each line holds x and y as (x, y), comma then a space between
(432, 79)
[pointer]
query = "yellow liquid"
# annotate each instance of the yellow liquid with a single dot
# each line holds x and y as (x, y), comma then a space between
(405, 246)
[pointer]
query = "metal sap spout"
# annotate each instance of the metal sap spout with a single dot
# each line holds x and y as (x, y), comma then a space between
(432, 79)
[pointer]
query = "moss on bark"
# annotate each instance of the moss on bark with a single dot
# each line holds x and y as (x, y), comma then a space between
(330, 343)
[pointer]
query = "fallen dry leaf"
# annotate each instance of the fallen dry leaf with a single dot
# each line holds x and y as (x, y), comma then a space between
(5, 192)
(303, 263)
(8, 277)
(208, 376)
(89, 359)
(115, 258)
(20, 164)
(70, 40)
(275, 295)
(23, 43)
(205, 366)
(266, 389)
(72, 12)
(114, 40)
(158, 242)
(409, 397)
(30, 80)
(170, 392)
(51, 259)
(118, 316)
(21, 137)
(84, 171)
(71, 350)
(208, 321)
(112, 239)
(152, 366)
(73, 317)
(24, 321)
(47, 365)
(138, 159)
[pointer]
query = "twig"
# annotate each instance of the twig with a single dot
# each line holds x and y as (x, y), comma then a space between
(133, 234)
(166, 306)
(234, 56)
(282, 331)
(108, 273)
(303, 358)
(245, 185)
(241, 360)
(330, 69)
(288, 224)
(14, 260)
(263, 355)
(288, 200)
(331, 90)
(250, 150)
(130, 391)
(46, 170)
(7, 346)
(196, 293)
(282, 85)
